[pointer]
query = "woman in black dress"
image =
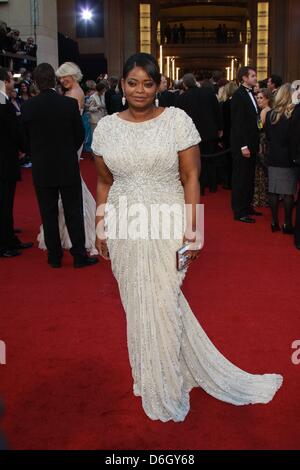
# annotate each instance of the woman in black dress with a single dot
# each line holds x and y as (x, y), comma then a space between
(281, 171)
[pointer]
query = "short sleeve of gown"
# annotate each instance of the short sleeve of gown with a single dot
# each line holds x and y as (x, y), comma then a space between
(186, 132)
(99, 138)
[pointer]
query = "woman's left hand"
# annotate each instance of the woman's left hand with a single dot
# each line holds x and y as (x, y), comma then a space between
(192, 254)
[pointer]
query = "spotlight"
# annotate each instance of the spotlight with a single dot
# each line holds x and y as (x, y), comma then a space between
(86, 14)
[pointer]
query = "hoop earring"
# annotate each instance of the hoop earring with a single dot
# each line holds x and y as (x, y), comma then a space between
(123, 100)
(156, 101)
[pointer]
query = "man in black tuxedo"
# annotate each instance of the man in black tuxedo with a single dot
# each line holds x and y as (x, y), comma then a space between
(54, 132)
(244, 145)
(110, 93)
(294, 143)
(10, 144)
(202, 106)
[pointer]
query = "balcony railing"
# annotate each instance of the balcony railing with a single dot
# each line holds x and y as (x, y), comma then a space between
(16, 61)
(205, 36)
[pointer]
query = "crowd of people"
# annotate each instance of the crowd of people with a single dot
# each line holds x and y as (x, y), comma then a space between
(261, 117)
(96, 99)
(264, 171)
(11, 43)
(176, 34)
(219, 111)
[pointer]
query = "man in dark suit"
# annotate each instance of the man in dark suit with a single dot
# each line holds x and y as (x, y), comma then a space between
(274, 83)
(10, 144)
(244, 145)
(294, 142)
(165, 97)
(110, 93)
(202, 106)
(54, 132)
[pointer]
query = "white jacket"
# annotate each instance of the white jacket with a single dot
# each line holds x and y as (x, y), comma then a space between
(97, 108)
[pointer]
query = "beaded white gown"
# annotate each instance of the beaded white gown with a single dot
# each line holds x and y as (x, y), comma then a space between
(89, 211)
(169, 352)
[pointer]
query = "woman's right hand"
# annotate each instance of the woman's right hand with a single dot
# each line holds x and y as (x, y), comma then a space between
(102, 248)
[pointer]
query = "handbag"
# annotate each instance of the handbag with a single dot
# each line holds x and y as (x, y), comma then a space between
(182, 258)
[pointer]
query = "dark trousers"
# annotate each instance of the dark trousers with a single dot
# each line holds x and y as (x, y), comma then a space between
(243, 179)
(73, 211)
(226, 165)
(8, 240)
(208, 166)
(297, 225)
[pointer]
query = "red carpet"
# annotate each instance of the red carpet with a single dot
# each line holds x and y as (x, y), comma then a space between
(67, 382)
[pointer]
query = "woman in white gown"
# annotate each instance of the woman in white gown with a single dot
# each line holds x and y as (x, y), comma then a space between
(70, 75)
(150, 156)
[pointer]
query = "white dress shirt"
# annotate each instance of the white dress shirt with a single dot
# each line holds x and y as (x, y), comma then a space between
(4, 94)
(249, 90)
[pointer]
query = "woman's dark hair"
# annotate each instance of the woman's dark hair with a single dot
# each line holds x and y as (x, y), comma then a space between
(101, 86)
(263, 83)
(267, 94)
(44, 76)
(26, 84)
(146, 62)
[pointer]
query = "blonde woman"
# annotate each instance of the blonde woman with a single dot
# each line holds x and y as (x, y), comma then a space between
(282, 174)
(221, 94)
(69, 75)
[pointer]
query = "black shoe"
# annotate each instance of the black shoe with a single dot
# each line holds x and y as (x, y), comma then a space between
(24, 246)
(254, 212)
(287, 230)
(17, 230)
(54, 263)
(275, 228)
(9, 253)
(246, 220)
(84, 262)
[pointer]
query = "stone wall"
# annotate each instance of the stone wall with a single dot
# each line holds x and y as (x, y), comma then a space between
(34, 18)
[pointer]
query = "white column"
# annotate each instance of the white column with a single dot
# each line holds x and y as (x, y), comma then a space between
(114, 37)
(47, 32)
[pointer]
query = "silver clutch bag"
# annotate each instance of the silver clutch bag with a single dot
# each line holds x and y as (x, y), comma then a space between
(182, 259)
